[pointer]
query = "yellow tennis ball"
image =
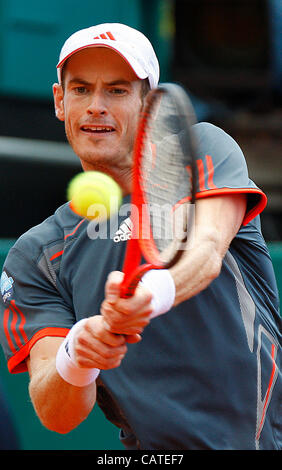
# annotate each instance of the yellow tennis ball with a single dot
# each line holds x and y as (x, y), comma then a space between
(94, 195)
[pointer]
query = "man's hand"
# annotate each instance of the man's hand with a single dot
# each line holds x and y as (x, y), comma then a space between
(96, 346)
(126, 316)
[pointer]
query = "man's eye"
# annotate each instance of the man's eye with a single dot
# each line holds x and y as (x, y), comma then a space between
(118, 91)
(80, 90)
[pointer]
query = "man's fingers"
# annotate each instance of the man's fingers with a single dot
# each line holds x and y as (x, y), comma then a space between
(121, 323)
(139, 303)
(98, 347)
(95, 359)
(87, 344)
(112, 287)
(126, 316)
(132, 339)
(101, 331)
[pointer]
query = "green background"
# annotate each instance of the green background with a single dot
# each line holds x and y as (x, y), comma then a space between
(32, 34)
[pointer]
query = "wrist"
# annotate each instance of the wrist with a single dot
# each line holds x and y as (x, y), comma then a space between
(160, 282)
(66, 364)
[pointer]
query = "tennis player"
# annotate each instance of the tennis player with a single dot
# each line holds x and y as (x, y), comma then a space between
(196, 363)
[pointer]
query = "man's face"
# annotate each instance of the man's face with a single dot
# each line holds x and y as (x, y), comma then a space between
(100, 105)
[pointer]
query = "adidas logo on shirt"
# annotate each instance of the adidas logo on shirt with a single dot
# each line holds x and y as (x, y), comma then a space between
(124, 232)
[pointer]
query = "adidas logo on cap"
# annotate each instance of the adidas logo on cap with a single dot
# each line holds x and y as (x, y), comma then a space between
(107, 35)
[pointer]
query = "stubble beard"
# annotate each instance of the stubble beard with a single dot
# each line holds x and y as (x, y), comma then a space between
(113, 162)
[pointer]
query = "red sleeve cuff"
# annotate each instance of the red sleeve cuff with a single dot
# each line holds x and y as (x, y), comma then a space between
(17, 362)
(252, 212)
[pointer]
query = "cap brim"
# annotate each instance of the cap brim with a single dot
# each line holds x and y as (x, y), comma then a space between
(131, 61)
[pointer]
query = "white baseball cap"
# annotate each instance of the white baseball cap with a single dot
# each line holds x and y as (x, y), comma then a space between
(131, 44)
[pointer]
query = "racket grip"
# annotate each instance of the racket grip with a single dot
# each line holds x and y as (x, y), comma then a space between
(131, 280)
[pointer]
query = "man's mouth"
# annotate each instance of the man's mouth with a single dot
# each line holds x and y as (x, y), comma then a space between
(97, 129)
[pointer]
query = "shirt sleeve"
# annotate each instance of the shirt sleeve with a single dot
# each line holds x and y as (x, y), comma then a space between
(31, 307)
(221, 169)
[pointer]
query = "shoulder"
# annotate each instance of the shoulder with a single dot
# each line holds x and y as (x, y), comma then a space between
(48, 232)
(207, 130)
(213, 139)
(223, 153)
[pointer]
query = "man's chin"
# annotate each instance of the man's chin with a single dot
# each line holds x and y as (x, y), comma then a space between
(100, 161)
(99, 156)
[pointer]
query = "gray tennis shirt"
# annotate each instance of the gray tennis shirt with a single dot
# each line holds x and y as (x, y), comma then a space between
(206, 375)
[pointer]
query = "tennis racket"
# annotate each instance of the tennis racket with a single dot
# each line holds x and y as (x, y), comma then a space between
(163, 194)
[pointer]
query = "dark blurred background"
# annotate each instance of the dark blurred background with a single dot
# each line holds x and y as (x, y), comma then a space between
(228, 54)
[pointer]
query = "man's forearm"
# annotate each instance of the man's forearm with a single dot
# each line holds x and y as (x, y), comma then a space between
(218, 220)
(59, 405)
(198, 267)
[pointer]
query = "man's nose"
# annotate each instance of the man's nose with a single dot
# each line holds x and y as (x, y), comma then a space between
(97, 104)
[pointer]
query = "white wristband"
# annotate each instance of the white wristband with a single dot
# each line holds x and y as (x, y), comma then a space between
(66, 365)
(161, 284)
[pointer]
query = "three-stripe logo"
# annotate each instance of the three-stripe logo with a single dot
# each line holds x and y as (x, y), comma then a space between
(107, 35)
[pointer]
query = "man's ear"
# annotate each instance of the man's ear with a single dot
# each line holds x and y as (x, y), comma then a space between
(58, 94)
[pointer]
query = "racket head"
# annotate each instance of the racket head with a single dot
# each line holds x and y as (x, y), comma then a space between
(164, 174)
(164, 182)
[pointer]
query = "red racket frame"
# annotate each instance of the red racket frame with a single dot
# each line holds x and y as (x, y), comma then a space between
(139, 245)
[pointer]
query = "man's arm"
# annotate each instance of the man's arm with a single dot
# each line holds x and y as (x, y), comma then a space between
(217, 221)
(59, 405)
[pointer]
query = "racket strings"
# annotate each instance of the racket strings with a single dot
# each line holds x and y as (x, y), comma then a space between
(164, 174)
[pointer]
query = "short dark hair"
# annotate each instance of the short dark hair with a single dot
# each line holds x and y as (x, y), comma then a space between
(145, 88)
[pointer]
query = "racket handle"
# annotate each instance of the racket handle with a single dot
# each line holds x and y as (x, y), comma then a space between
(131, 280)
